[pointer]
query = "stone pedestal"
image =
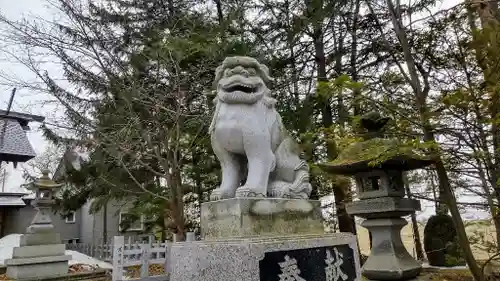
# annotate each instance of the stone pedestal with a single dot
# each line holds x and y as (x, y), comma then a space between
(389, 259)
(266, 259)
(263, 239)
(250, 217)
(40, 255)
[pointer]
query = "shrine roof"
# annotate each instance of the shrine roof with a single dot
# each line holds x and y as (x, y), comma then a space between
(8, 199)
(14, 144)
(22, 118)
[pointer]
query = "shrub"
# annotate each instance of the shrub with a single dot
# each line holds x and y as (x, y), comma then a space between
(440, 242)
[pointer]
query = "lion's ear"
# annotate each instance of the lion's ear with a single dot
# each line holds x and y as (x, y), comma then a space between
(264, 73)
(219, 71)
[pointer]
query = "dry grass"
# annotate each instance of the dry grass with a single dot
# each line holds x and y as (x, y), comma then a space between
(154, 270)
(74, 268)
(449, 275)
(407, 236)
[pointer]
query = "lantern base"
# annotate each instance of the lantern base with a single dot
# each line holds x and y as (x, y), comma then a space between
(36, 268)
(383, 207)
(38, 256)
(41, 223)
(258, 217)
(389, 259)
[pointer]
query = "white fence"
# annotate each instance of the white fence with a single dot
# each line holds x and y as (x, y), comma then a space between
(142, 254)
(102, 252)
(132, 254)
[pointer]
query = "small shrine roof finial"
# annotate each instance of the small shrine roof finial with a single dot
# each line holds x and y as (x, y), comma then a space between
(374, 124)
(45, 173)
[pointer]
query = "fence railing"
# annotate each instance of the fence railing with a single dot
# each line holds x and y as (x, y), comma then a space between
(132, 254)
(102, 252)
(124, 253)
(143, 254)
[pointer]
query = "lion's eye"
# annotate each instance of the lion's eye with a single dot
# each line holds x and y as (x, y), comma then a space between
(228, 72)
(251, 71)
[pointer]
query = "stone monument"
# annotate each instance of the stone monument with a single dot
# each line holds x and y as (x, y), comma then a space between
(40, 253)
(260, 224)
(377, 164)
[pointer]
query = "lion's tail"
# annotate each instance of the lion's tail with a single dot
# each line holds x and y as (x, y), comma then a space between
(291, 177)
(300, 188)
(297, 190)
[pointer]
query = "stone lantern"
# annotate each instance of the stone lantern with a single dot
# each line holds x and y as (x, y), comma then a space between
(44, 188)
(40, 253)
(377, 165)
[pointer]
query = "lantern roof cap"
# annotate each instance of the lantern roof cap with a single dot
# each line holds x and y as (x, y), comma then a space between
(376, 152)
(45, 182)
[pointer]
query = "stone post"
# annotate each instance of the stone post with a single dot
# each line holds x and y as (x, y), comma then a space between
(190, 236)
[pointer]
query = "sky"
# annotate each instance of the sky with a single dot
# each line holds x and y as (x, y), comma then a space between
(30, 102)
(25, 100)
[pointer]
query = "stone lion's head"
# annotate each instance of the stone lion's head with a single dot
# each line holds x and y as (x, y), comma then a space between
(242, 80)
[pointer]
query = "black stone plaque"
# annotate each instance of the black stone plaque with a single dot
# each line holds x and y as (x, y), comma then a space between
(331, 263)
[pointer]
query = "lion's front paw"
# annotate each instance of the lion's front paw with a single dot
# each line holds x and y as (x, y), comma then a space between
(219, 194)
(245, 191)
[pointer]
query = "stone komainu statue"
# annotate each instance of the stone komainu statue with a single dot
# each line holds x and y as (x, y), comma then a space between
(249, 138)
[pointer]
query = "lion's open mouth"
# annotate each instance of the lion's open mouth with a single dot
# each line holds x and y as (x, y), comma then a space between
(241, 88)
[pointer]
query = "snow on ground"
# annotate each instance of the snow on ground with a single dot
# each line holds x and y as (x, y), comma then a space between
(78, 257)
(7, 243)
(10, 241)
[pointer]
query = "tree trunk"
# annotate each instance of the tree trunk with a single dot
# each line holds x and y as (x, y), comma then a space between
(354, 51)
(178, 218)
(434, 193)
(163, 235)
(489, 198)
(105, 223)
(496, 222)
(444, 183)
(487, 56)
(419, 250)
(176, 204)
(371, 239)
(458, 222)
(488, 59)
(340, 188)
(220, 15)
(167, 217)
